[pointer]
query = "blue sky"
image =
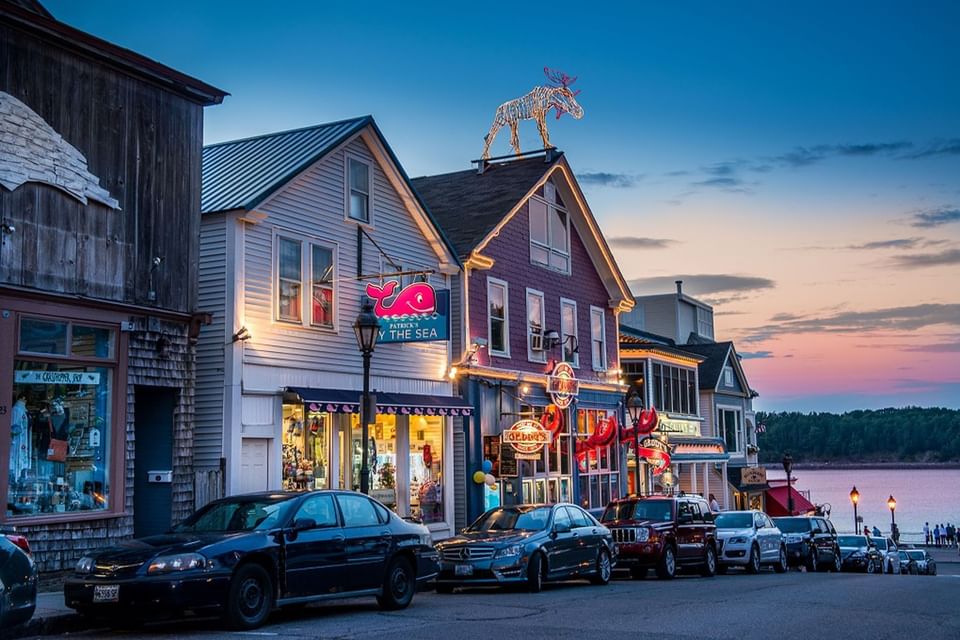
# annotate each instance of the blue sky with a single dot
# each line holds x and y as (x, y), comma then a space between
(799, 166)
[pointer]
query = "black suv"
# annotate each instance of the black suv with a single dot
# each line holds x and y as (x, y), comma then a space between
(663, 532)
(811, 541)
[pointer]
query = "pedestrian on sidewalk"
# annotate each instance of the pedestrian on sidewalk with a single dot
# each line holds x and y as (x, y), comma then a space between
(926, 533)
(714, 505)
(866, 531)
(936, 535)
(876, 531)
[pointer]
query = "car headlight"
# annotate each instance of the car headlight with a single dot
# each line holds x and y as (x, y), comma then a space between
(643, 534)
(512, 550)
(738, 540)
(177, 562)
(85, 565)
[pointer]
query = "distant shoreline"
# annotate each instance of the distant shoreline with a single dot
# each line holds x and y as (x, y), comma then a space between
(865, 465)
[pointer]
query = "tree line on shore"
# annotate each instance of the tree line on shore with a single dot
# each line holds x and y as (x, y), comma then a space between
(910, 434)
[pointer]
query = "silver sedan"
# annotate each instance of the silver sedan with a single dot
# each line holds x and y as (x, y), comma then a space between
(751, 540)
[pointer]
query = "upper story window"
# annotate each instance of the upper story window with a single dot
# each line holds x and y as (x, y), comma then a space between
(730, 428)
(498, 318)
(535, 320)
(674, 389)
(598, 339)
(705, 322)
(304, 265)
(549, 230)
(728, 376)
(568, 331)
(358, 190)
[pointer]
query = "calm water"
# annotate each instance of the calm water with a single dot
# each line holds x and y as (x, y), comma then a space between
(923, 495)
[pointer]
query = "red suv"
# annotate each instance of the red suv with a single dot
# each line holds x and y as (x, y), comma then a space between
(666, 533)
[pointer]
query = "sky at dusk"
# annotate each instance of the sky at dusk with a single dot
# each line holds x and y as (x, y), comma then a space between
(797, 166)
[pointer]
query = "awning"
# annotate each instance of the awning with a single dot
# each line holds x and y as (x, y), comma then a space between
(697, 449)
(777, 502)
(404, 404)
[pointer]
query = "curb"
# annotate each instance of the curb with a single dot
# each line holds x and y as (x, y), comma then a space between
(51, 625)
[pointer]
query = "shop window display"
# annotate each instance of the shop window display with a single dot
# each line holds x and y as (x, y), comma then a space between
(306, 438)
(381, 458)
(599, 466)
(426, 468)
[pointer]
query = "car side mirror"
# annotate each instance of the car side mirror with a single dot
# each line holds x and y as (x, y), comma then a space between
(561, 528)
(304, 524)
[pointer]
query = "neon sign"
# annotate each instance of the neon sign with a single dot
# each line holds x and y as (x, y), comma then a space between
(527, 437)
(562, 385)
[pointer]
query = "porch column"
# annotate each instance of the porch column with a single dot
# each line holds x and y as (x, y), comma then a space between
(693, 477)
(726, 488)
(706, 480)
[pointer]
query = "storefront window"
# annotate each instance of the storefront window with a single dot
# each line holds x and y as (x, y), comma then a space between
(381, 458)
(60, 425)
(426, 468)
(306, 442)
(598, 466)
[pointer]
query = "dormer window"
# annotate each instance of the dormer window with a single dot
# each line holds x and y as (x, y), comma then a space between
(549, 230)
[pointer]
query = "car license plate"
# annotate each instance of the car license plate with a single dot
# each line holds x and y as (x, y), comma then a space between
(463, 570)
(106, 593)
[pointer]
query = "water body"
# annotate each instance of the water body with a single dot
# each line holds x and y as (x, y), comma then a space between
(923, 495)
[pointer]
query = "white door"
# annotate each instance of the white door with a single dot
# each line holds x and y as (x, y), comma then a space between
(254, 467)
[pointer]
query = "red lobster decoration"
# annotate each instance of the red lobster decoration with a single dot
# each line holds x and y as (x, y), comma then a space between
(645, 426)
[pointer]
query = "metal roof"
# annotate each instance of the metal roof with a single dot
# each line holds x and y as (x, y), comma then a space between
(241, 174)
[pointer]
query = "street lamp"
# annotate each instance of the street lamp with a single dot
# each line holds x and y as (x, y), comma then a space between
(892, 503)
(787, 468)
(635, 408)
(366, 327)
(855, 498)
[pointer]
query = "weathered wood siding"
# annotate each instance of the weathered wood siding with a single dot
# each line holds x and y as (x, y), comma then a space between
(144, 144)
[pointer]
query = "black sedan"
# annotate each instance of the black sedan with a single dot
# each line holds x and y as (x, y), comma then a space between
(18, 580)
(527, 544)
(859, 554)
(245, 555)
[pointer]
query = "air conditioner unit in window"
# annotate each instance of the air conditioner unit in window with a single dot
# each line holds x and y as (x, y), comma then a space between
(536, 342)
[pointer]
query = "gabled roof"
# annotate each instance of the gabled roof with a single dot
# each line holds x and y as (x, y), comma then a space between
(710, 369)
(468, 205)
(240, 174)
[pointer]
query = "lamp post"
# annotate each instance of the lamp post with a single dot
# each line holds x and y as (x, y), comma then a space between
(635, 408)
(892, 503)
(855, 498)
(787, 468)
(366, 327)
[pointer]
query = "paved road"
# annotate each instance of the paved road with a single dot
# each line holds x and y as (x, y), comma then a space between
(795, 605)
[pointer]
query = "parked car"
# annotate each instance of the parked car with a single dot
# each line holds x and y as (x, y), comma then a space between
(245, 555)
(858, 553)
(749, 539)
(888, 551)
(811, 541)
(18, 579)
(908, 566)
(528, 544)
(926, 565)
(665, 533)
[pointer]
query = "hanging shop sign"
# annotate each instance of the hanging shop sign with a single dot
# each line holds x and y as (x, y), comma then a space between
(678, 426)
(56, 377)
(562, 385)
(753, 475)
(415, 313)
(527, 438)
(657, 454)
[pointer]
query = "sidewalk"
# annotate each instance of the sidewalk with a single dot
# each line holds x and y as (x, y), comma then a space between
(52, 617)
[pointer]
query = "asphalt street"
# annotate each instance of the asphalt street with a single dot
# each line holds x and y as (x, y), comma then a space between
(735, 606)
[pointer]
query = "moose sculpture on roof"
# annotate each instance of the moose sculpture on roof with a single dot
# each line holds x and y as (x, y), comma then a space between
(535, 106)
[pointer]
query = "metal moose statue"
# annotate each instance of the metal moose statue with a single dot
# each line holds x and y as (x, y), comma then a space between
(535, 106)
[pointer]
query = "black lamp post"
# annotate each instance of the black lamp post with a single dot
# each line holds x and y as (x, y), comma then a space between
(366, 327)
(855, 498)
(634, 409)
(787, 468)
(892, 503)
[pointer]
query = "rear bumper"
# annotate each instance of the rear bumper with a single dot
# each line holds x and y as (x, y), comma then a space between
(155, 593)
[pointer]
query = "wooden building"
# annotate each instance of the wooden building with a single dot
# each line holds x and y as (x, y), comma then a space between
(100, 154)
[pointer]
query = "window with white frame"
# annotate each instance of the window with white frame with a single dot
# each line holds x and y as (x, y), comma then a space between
(535, 320)
(304, 265)
(598, 339)
(498, 317)
(674, 389)
(358, 190)
(568, 331)
(549, 230)
(705, 322)
(731, 428)
(728, 376)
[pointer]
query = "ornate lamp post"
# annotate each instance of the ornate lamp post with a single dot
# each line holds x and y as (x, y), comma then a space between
(855, 498)
(635, 408)
(366, 327)
(787, 468)
(892, 503)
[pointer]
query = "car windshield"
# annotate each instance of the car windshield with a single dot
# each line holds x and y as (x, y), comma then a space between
(656, 510)
(237, 514)
(881, 543)
(734, 521)
(916, 555)
(513, 519)
(793, 525)
(853, 541)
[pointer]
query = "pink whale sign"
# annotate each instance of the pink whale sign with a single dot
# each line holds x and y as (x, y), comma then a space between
(416, 299)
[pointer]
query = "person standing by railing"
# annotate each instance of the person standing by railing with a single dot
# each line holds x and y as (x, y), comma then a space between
(926, 533)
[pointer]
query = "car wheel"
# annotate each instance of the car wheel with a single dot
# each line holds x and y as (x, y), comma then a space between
(638, 573)
(933, 571)
(604, 569)
(250, 598)
(399, 585)
(536, 572)
(444, 588)
(753, 564)
(667, 566)
(813, 562)
(781, 566)
(837, 561)
(709, 562)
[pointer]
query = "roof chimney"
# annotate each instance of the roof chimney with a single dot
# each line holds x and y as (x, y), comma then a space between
(679, 287)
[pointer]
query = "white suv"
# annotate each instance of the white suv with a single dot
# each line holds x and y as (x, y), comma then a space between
(888, 551)
(749, 539)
